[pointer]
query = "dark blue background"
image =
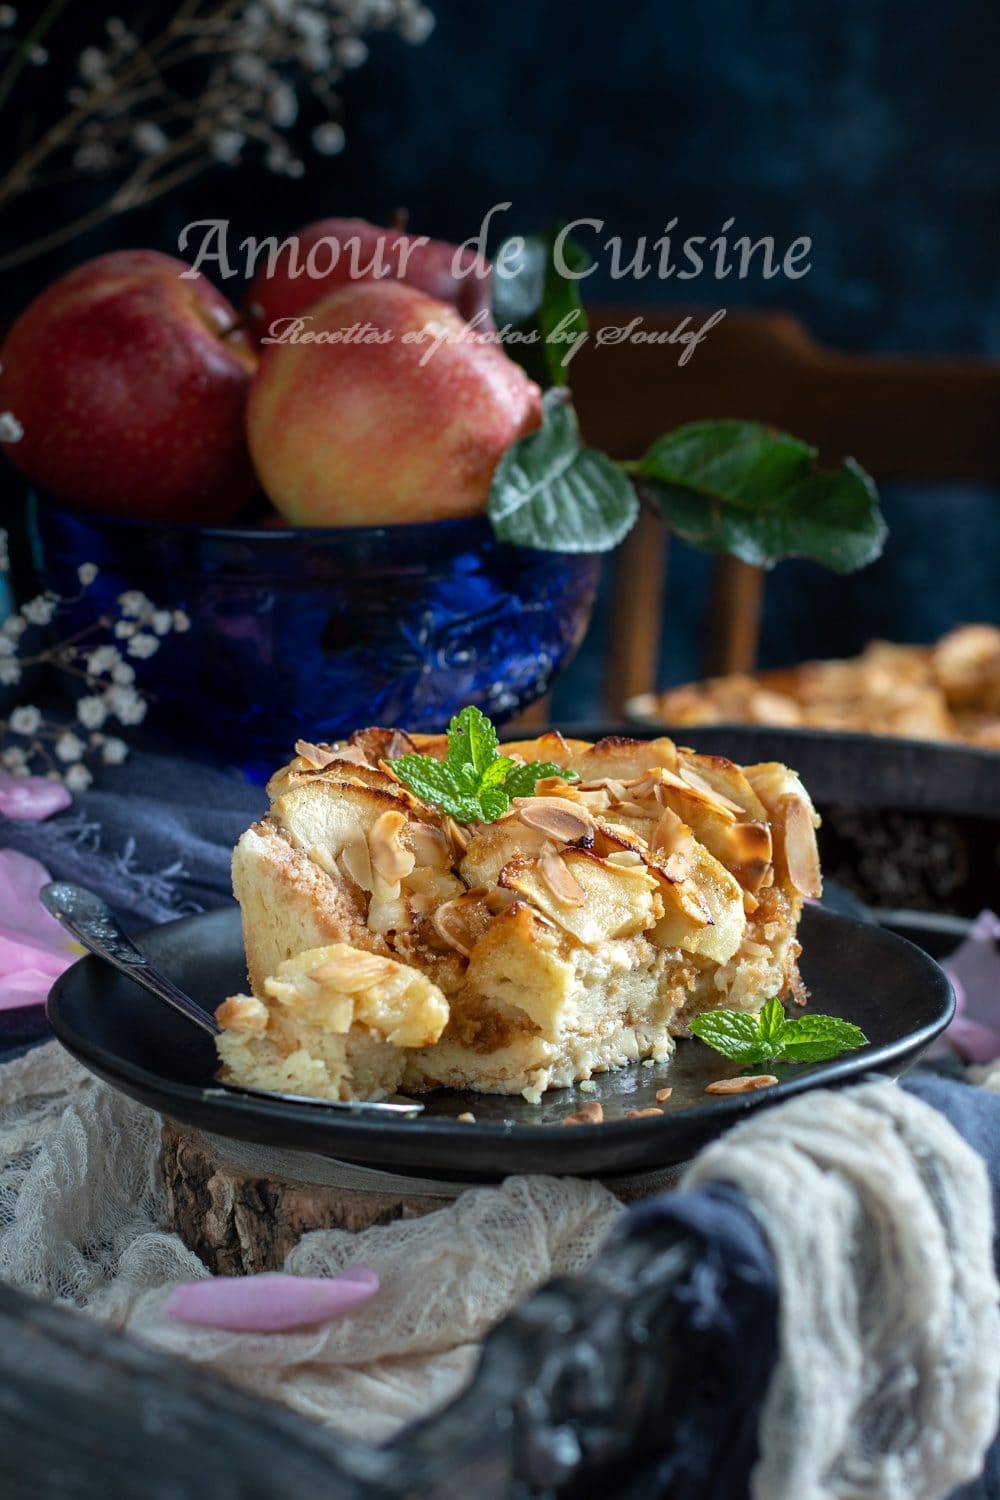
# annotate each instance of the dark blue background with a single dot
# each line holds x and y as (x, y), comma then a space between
(871, 126)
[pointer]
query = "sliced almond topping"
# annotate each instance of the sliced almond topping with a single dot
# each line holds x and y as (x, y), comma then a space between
(560, 880)
(641, 1114)
(357, 862)
(420, 905)
(625, 858)
(677, 867)
(671, 834)
(662, 1095)
(553, 817)
(242, 1013)
(801, 852)
(430, 846)
(590, 1114)
(453, 921)
(317, 757)
(457, 834)
(709, 793)
(353, 972)
(741, 1085)
(389, 859)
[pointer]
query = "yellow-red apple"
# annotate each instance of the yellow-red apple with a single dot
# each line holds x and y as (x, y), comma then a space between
(130, 382)
(335, 252)
(389, 409)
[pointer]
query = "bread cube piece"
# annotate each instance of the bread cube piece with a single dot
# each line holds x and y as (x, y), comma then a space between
(334, 1022)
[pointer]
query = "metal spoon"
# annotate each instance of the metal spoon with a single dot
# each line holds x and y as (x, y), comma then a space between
(91, 921)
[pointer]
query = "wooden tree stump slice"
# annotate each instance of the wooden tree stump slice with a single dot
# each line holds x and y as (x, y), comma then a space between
(241, 1207)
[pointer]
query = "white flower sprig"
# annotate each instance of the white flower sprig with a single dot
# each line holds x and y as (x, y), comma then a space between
(31, 743)
(223, 78)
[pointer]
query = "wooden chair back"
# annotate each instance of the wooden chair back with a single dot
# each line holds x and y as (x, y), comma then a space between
(901, 417)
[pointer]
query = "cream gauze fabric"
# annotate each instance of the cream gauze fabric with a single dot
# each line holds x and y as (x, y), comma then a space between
(877, 1212)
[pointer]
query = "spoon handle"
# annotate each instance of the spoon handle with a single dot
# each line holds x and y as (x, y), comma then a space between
(91, 921)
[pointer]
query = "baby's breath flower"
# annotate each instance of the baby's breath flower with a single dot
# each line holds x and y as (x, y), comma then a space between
(92, 65)
(10, 673)
(104, 659)
(126, 705)
(162, 621)
(69, 747)
(125, 628)
(113, 751)
(143, 646)
(150, 140)
(351, 52)
(134, 604)
(38, 56)
(283, 106)
(14, 625)
(182, 622)
(123, 672)
(91, 711)
(329, 138)
(14, 758)
(7, 646)
(227, 146)
(86, 573)
(39, 611)
(11, 430)
(78, 778)
(26, 720)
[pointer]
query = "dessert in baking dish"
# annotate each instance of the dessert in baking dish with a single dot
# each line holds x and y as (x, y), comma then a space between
(949, 691)
(390, 946)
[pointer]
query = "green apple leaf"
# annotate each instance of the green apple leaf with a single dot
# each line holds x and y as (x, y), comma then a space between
(550, 492)
(743, 488)
(533, 297)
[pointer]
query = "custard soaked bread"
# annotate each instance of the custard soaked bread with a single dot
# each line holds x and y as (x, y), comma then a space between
(636, 885)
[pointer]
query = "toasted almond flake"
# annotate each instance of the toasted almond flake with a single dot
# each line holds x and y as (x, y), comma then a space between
(356, 860)
(641, 1114)
(324, 859)
(688, 774)
(557, 820)
(741, 1085)
(354, 972)
(671, 834)
(624, 858)
(457, 834)
(242, 1013)
(317, 757)
(419, 904)
(430, 846)
(452, 924)
(662, 1095)
(468, 1118)
(389, 859)
(801, 852)
(560, 879)
(591, 1114)
(677, 867)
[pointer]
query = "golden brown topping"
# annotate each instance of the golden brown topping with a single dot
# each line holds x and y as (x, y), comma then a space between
(641, 1114)
(662, 1095)
(741, 1085)
(676, 867)
(318, 757)
(357, 861)
(555, 786)
(242, 1013)
(467, 1118)
(625, 859)
(560, 880)
(353, 971)
(389, 858)
(590, 1114)
(455, 921)
(558, 820)
(801, 852)
(457, 834)
(430, 846)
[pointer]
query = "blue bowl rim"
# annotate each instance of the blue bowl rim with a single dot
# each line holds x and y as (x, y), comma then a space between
(475, 529)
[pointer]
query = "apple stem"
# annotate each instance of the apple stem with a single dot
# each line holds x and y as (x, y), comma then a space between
(400, 220)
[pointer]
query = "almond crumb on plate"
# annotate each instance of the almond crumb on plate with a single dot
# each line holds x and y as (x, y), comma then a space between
(590, 1114)
(468, 1118)
(741, 1085)
(587, 1086)
(640, 1114)
(662, 1095)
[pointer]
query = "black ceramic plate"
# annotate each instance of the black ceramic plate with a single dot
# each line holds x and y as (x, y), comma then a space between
(895, 992)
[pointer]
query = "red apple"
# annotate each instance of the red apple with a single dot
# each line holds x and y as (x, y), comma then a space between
(335, 252)
(394, 411)
(130, 384)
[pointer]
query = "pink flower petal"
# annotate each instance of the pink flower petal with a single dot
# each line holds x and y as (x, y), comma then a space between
(30, 799)
(34, 949)
(271, 1302)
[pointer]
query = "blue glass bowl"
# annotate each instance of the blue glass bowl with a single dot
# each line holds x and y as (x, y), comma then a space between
(312, 633)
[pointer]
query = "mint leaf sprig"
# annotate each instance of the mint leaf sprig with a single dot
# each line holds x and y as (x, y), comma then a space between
(773, 1037)
(474, 783)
